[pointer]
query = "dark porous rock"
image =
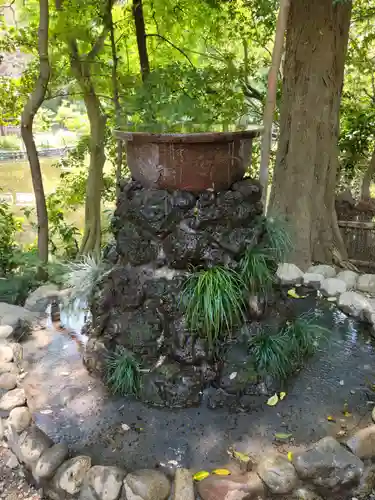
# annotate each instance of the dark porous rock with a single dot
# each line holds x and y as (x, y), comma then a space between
(239, 374)
(236, 240)
(329, 466)
(172, 385)
(183, 199)
(110, 252)
(217, 398)
(186, 347)
(135, 246)
(184, 248)
(249, 188)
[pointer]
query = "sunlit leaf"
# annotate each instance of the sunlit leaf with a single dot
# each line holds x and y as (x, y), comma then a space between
(290, 456)
(292, 293)
(273, 400)
(199, 476)
(282, 435)
(331, 419)
(221, 472)
(282, 395)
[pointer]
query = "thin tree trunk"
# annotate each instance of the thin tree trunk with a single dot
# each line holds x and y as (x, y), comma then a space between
(31, 108)
(97, 119)
(367, 178)
(141, 38)
(116, 99)
(304, 181)
(270, 105)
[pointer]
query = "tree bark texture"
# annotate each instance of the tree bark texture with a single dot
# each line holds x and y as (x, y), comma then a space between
(27, 118)
(97, 119)
(367, 179)
(307, 158)
(140, 31)
(269, 108)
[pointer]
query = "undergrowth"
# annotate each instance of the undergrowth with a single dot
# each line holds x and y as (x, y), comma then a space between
(256, 268)
(214, 302)
(123, 372)
(279, 353)
(278, 241)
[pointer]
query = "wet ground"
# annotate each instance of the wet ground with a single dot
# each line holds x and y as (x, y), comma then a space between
(71, 405)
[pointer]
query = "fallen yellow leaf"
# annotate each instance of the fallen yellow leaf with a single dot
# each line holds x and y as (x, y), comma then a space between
(282, 435)
(242, 457)
(290, 456)
(221, 472)
(199, 476)
(347, 414)
(273, 400)
(331, 419)
(292, 293)
(282, 395)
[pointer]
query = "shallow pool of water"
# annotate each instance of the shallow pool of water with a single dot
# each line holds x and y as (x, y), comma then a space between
(71, 405)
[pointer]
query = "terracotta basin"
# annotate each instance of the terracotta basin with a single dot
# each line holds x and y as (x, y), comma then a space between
(190, 162)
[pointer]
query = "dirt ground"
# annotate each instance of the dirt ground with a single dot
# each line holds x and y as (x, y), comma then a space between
(13, 485)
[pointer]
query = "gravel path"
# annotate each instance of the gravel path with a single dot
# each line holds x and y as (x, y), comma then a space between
(13, 485)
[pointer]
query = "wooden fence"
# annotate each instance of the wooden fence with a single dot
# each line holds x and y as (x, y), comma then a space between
(359, 238)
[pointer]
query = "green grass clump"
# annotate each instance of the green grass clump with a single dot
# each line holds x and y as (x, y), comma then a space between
(257, 270)
(271, 353)
(304, 336)
(280, 353)
(123, 373)
(278, 239)
(214, 301)
(82, 276)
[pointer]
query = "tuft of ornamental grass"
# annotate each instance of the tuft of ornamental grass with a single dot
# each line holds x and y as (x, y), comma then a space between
(82, 276)
(271, 353)
(123, 373)
(214, 302)
(257, 270)
(304, 335)
(278, 237)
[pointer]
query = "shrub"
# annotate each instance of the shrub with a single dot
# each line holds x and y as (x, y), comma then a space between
(82, 276)
(123, 372)
(278, 241)
(304, 336)
(9, 226)
(257, 270)
(271, 353)
(214, 302)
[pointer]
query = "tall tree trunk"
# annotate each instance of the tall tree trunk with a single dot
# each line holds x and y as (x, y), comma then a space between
(269, 108)
(140, 31)
(307, 159)
(367, 178)
(31, 108)
(116, 98)
(97, 119)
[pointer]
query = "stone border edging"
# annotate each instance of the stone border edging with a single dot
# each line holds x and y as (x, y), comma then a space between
(327, 467)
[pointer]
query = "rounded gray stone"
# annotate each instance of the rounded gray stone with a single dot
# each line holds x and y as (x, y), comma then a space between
(325, 270)
(20, 418)
(278, 474)
(51, 460)
(362, 443)
(70, 475)
(9, 368)
(12, 399)
(8, 381)
(33, 445)
(146, 485)
(6, 331)
(103, 483)
(6, 354)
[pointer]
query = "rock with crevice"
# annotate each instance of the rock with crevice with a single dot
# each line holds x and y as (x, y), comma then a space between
(366, 283)
(234, 487)
(146, 485)
(289, 274)
(323, 269)
(19, 418)
(50, 461)
(39, 299)
(102, 483)
(355, 304)
(183, 485)
(362, 443)
(313, 280)
(328, 465)
(32, 445)
(70, 475)
(349, 277)
(333, 287)
(12, 399)
(278, 474)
